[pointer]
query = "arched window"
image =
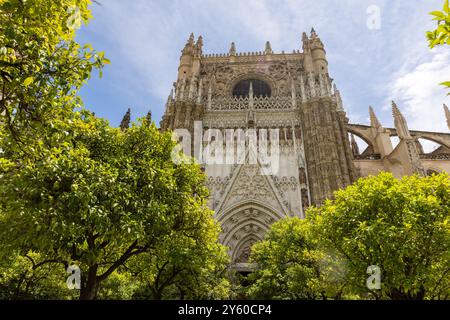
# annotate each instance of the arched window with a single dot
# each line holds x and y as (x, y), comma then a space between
(260, 88)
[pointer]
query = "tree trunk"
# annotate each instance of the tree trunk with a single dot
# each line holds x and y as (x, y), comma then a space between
(90, 285)
(399, 294)
(157, 294)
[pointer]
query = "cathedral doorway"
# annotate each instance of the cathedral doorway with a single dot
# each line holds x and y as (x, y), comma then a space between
(243, 225)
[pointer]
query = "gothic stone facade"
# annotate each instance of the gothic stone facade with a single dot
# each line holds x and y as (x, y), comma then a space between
(318, 153)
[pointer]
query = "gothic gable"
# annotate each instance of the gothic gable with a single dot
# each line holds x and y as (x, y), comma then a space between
(247, 185)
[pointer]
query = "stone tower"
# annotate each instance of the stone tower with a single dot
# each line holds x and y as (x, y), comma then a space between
(250, 94)
(229, 105)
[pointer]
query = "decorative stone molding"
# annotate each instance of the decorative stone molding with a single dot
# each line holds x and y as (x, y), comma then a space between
(260, 103)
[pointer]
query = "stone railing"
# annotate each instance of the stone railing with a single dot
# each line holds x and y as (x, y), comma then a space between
(442, 156)
(367, 157)
(259, 103)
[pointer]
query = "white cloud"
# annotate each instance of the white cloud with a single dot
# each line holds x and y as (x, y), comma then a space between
(420, 96)
(144, 39)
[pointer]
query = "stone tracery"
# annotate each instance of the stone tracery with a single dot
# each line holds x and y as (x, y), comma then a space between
(315, 153)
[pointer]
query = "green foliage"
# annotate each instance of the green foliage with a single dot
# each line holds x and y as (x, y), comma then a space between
(402, 226)
(121, 285)
(22, 277)
(97, 196)
(41, 65)
(441, 35)
(184, 267)
(75, 190)
(288, 264)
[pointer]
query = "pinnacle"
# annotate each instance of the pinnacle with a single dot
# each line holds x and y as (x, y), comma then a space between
(374, 122)
(395, 109)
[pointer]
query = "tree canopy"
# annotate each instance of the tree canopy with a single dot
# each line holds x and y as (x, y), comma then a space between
(400, 226)
(41, 65)
(288, 264)
(73, 189)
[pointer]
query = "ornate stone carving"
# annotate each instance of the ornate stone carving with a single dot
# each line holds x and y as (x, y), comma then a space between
(242, 103)
(250, 184)
(301, 105)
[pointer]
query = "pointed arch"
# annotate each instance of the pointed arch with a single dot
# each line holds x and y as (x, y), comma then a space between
(243, 248)
(246, 222)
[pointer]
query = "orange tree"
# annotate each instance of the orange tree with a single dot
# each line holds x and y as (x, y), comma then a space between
(401, 226)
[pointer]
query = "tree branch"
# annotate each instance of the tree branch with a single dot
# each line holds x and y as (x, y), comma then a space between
(132, 250)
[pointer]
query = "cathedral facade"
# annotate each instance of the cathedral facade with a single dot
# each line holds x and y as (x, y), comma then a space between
(233, 93)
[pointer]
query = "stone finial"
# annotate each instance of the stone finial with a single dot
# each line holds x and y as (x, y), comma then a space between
(199, 44)
(374, 122)
(304, 37)
(189, 47)
(305, 43)
(251, 113)
(313, 33)
(355, 147)
(125, 123)
(268, 49)
(232, 51)
(447, 115)
(191, 38)
(335, 89)
(251, 102)
(400, 123)
(337, 95)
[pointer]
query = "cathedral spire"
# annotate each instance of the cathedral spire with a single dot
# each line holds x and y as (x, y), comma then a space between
(199, 44)
(447, 115)
(189, 46)
(305, 41)
(268, 49)
(191, 39)
(374, 122)
(148, 117)
(304, 37)
(125, 123)
(354, 145)
(400, 123)
(232, 51)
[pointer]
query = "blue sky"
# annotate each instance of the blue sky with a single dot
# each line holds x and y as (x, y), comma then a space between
(143, 40)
